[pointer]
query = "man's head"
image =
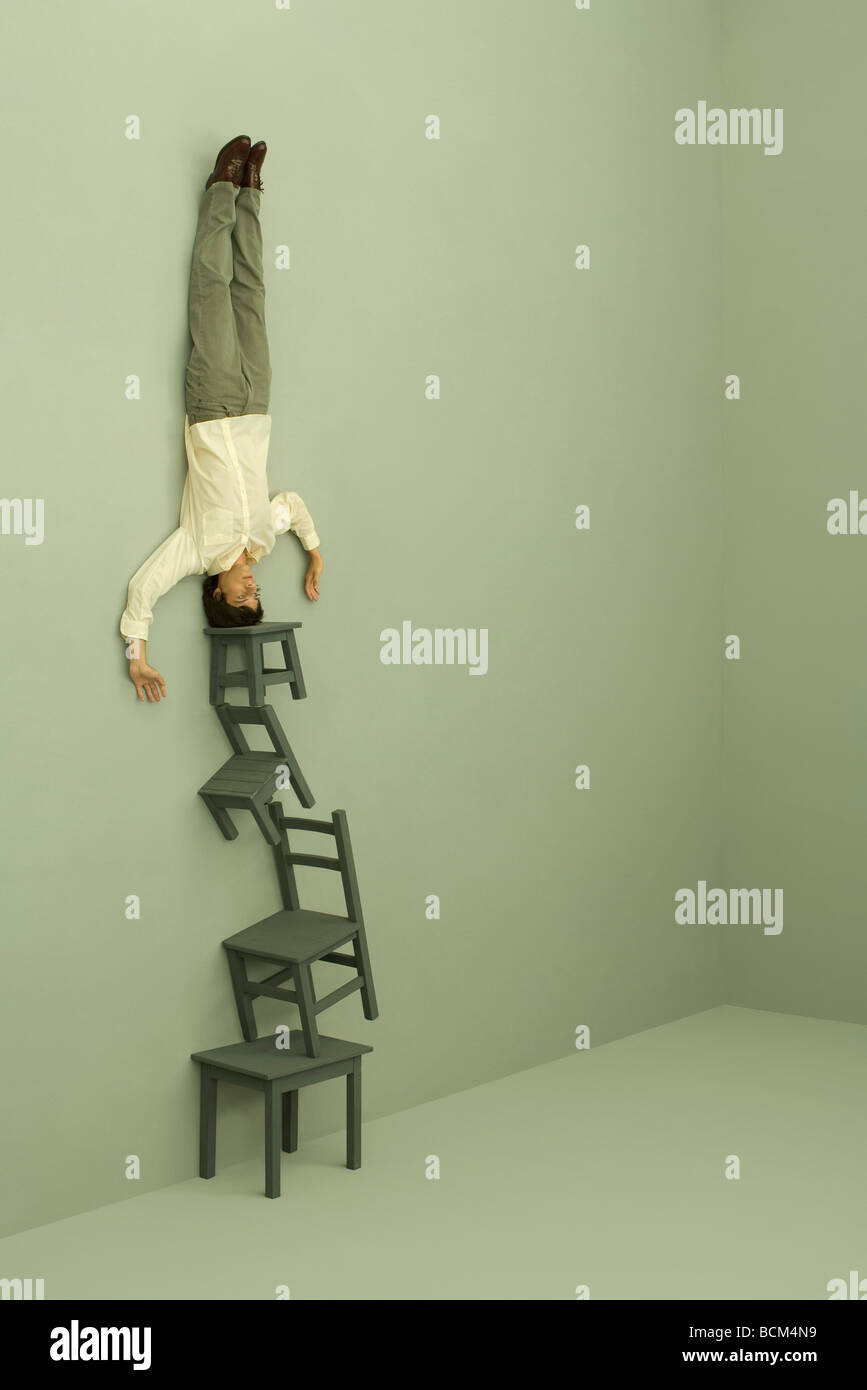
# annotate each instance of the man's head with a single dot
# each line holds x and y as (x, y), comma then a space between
(231, 599)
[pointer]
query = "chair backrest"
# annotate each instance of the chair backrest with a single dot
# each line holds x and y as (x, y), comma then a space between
(343, 863)
(232, 716)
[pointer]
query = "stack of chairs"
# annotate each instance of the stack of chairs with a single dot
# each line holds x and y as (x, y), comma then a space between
(293, 939)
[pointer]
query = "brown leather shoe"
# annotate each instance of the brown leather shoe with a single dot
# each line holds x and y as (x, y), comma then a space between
(230, 162)
(253, 167)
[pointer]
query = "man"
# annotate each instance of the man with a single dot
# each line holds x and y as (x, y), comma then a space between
(227, 520)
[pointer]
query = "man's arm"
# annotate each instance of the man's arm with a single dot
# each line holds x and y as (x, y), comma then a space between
(147, 679)
(290, 514)
(176, 558)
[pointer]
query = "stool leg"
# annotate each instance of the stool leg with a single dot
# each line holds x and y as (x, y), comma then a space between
(307, 1008)
(353, 1115)
(290, 1121)
(293, 664)
(218, 669)
(256, 673)
(272, 1141)
(207, 1123)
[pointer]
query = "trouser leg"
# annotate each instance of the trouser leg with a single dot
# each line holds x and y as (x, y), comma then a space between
(215, 382)
(248, 299)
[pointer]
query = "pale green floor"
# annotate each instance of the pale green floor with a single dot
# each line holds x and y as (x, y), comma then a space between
(603, 1168)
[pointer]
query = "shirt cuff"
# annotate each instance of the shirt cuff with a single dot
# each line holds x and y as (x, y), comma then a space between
(309, 540)
(130, 628)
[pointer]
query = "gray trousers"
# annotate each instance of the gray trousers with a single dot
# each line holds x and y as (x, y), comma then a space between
(229, 371)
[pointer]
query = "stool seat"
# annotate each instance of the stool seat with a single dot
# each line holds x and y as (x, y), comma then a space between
(266, 1064)
(300, 935)
(254, 630)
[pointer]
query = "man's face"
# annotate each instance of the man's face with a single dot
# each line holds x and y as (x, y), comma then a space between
(237, 587)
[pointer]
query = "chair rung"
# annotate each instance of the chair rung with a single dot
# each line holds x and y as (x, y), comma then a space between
(299, 823)
(336, 994)
(335, 958)
(316, 861)
(254, 988)
(277, 978)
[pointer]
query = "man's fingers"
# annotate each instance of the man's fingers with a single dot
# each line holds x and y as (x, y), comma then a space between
(151, 689)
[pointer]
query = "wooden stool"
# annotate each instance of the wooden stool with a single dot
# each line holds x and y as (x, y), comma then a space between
(262, 1065)
(255, 675)
(247, 782)
(296, 939)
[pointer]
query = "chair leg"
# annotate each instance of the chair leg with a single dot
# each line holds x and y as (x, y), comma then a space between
(243, 1002)
(290, 1121)
(297, 778)
(207, 1123)
(218, 670)
(293, 664)
(222, 817)
(353, 1115)
(272, 1141)
(265, 824)
(362, 965)
(307, 1007)
(275, 731)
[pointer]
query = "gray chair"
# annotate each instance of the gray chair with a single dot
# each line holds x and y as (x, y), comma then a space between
(295, 939)
(233, 716)
(261, 1065)
(248, 781)
(256, 676)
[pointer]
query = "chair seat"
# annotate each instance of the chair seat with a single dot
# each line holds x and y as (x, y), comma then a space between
(294, 937)
(264, 1059)
(244, 775)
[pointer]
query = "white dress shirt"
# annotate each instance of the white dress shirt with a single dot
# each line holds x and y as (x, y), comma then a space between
(225, 509)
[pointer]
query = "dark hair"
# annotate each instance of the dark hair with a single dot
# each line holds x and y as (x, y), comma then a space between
(222, 614)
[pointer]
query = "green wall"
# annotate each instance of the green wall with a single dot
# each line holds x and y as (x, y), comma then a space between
(559, 387)
(794, 309)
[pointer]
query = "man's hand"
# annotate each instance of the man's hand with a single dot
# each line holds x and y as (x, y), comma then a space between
(147, 679)
(314, 569)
